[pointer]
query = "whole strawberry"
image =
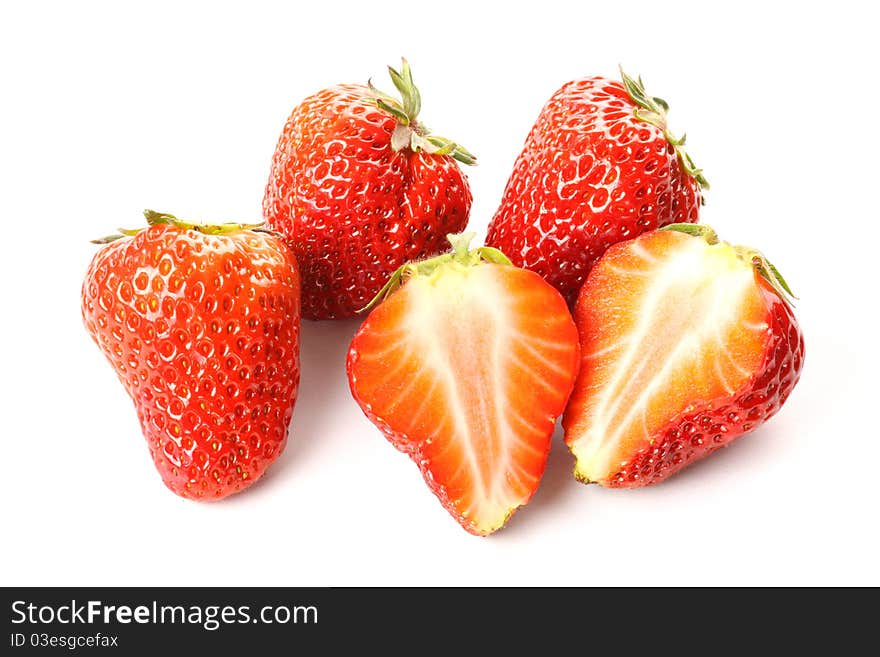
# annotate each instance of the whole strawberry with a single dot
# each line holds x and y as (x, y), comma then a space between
(359, 187)
(687, 343)
(598, 167)
(201, 324)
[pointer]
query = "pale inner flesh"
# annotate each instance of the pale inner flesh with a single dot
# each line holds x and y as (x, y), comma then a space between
(476, 375)
(670, 333)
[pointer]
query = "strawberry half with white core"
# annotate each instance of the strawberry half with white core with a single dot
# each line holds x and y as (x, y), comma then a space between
(686, 344)
(465, 366)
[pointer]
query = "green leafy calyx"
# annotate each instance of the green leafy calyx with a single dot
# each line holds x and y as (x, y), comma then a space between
(653, 110)
(409, 133)
(460, 254)
(159, 218)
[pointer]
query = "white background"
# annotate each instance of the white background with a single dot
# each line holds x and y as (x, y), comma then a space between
(107, 109)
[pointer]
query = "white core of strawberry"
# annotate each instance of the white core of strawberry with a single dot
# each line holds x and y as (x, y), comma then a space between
(464, 330)
(442, 318)
(675, 333)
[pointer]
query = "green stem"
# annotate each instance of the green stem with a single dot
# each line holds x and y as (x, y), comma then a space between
(409, 133)
(461, 245)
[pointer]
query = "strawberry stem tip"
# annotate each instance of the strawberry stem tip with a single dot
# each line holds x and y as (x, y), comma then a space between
(159, 218)
(653, 110)
(755, 258)
(460, 254)
(409, 133)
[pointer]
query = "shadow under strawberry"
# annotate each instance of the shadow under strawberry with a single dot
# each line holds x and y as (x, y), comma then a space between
(324, 346)
(556, 489)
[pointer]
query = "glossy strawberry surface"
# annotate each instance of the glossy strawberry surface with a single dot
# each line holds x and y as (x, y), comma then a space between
(597, 168)
(353, 207)
(203, 332)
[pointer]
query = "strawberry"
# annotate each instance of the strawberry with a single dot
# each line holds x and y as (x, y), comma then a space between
(201, 324)
(359, 187)
(598, 167)
(465, 366)
(687, 343)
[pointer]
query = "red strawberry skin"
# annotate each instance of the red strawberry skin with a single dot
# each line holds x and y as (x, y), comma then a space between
(353, 208)
(203, 332)
(762, 348)
(591, 174)
(466, 370)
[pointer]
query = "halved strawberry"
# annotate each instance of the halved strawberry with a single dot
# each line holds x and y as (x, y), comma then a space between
(465, 368)
(686, 344)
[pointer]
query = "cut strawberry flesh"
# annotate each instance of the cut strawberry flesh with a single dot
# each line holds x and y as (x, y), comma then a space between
(467, 370)
(668, 324)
